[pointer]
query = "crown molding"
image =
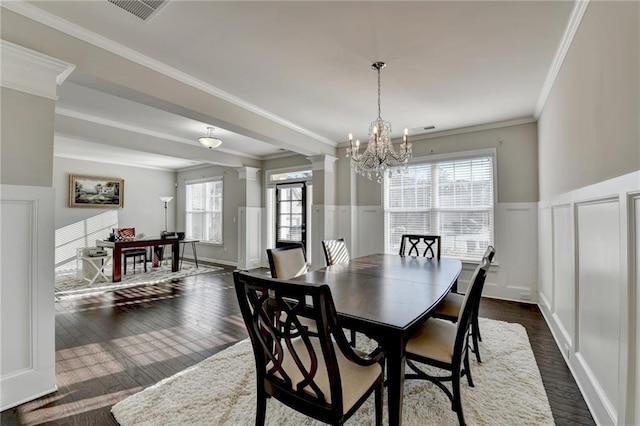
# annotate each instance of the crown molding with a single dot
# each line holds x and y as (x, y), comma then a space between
(575, 19)
(32, 72)
(57, 23)
(322, 162)
(247, 173)
(469, 129)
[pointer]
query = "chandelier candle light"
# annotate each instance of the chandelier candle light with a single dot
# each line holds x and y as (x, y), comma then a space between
(380, 156)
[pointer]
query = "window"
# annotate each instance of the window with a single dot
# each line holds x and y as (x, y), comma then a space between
(204, 210)
(451, 197)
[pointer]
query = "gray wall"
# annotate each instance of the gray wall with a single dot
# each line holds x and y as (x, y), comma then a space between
(588, 129)
(234, 194)
(143, 188)
(26, 138)
(517, 162)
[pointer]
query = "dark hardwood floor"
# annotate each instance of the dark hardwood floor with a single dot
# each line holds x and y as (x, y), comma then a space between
(113, 345)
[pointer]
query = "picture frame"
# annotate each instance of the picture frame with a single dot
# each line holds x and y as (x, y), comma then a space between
(96, 192)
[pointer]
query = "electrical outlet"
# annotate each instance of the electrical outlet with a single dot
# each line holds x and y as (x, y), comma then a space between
(225, 249)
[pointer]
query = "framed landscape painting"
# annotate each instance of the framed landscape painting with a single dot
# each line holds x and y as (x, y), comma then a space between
(96, 191)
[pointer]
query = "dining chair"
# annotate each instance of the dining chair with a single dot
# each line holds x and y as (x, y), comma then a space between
(445, 345)
(319, 375)
(451, 307)
(335, 251)
(287, 262)
(420, 245)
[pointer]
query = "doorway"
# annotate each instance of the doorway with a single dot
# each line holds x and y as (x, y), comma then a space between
(291, 214)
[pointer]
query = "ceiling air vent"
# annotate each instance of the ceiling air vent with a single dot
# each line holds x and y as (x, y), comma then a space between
(143, 9)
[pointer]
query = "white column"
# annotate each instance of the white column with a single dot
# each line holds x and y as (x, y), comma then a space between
(27, 314)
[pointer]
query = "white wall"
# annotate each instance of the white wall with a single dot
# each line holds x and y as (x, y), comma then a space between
(589, 146)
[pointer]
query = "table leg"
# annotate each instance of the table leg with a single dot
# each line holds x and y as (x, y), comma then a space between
(195, 253)
(396, 358)
(117, 264)
(175, 256)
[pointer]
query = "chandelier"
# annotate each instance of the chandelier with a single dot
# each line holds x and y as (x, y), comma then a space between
(380, 156)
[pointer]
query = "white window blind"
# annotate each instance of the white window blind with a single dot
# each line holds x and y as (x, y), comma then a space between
(204, 210)
(453, 198)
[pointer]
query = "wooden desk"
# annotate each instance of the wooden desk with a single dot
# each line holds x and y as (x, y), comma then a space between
(387, 297)
(117, 247)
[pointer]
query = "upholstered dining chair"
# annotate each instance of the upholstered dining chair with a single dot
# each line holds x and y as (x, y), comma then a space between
(287, 262)
(445, 345)
(335, 251)
(420, 245)
(319, 375)
(451, 307)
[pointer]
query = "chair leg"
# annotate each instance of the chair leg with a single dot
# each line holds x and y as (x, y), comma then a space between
(261, 408)
(353, 338)
(457, 400)
(467, 369)
(378, 397)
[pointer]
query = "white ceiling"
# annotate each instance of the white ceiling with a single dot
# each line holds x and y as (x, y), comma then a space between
(307, 65)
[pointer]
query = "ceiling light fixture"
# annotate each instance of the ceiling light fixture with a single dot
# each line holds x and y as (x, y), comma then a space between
(210, 141)
(380, 155)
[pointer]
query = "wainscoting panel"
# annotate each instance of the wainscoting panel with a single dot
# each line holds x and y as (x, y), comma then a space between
(370, 224)
(545, 261)
(250, 252)
(27, 314)
(634, 205)
(563, 270)
(593, 312)
(516, 261)
(599, 282)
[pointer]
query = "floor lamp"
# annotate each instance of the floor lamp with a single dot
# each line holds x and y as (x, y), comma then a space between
(166, 201)
(159, 251)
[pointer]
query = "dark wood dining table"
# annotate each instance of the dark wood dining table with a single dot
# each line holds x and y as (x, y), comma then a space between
(387, 297)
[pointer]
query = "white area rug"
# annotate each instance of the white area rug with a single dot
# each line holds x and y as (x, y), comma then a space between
(69, 285)
(221, 391)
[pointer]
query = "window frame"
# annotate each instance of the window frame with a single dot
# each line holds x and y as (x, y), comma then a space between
(188, 212)
(439, 158)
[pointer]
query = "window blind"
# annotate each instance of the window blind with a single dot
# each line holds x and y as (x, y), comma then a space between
(453, 198)
(204, 210)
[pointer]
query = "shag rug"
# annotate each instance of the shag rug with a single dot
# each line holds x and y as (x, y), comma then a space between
(221, 391)
(69, 285)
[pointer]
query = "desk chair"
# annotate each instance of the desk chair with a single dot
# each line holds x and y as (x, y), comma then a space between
(319, 375)
(135, 253)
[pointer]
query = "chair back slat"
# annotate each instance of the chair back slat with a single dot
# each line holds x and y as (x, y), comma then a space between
(287, 355)
(420, 245)
(335, 251)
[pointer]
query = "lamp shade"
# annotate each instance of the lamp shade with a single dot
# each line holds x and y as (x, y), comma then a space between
(166, 199)
(210, 141)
